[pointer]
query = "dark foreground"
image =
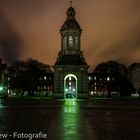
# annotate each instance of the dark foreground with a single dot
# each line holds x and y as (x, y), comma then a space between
(70, 119)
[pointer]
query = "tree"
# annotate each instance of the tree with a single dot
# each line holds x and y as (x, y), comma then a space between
(114, 77)
(27, 76)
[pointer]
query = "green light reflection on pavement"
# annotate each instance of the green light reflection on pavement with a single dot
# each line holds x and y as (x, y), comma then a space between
(70, 106)
(70, 120)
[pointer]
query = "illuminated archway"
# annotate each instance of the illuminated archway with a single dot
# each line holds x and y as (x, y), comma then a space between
(70, 86)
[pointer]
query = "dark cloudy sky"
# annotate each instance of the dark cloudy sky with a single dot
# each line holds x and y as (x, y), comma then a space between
(30, 28)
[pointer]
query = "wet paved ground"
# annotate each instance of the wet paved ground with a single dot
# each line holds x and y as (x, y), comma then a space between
(71, 119)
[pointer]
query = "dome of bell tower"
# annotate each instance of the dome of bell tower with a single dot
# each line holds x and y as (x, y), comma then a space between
(71, 13)
(70, 23)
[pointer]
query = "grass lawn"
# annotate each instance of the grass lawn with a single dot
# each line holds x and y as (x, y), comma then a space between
(91, 98)
(114, 98)
(30, 97)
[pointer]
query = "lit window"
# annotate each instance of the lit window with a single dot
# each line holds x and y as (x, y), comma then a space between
(91, 93)
(65, 42)
(76, 41)
(70, 41)
(8, 91)
(90, 78)
(108, 78)
(95, 78)
(95, 92)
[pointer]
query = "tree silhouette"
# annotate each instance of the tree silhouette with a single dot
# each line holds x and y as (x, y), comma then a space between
(113, 76)
(29, 76)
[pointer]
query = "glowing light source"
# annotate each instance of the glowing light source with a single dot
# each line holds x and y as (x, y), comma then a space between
(90, 78)
(70, 83)
(70, 78)
(91, 92)
(108, 78)
(66, 90)
(1, 88)
(70, 41)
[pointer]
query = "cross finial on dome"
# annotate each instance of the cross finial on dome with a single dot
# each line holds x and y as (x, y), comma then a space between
(70, 3)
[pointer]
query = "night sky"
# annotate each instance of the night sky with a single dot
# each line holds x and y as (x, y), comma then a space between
(30, 28)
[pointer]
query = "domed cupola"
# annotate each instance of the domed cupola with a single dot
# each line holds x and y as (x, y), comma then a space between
(70, 23)
(70, 33)
(71, 13)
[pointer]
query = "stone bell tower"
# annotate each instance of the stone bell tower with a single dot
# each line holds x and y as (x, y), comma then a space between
(70, 69)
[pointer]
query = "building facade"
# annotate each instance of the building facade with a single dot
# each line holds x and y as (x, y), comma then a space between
(134, 74)
(3, 77)
(70, 68)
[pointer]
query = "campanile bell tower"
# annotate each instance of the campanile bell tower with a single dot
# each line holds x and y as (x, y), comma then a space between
(70, 69)
(70, 34)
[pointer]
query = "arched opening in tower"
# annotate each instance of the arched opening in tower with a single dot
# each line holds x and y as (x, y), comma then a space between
(70, 87)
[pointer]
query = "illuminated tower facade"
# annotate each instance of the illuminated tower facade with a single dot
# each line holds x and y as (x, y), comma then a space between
(70, 69)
